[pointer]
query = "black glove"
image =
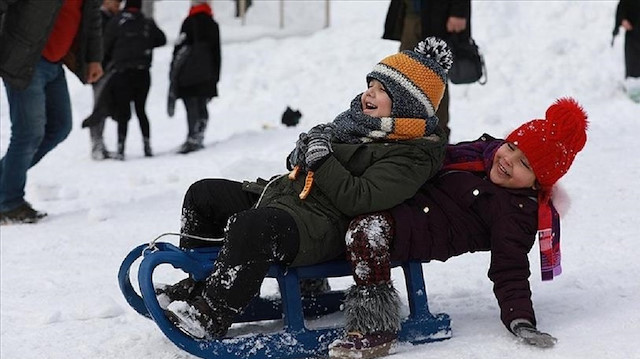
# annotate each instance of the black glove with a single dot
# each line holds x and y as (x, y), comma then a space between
(296, 157)
(319, 146)
(528, 333)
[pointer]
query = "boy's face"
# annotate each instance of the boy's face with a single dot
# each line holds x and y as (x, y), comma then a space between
(375, 101)
(511, 168)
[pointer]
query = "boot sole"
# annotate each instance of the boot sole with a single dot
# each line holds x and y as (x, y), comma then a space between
(365, 353)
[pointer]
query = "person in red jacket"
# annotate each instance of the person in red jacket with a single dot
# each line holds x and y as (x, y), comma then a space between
(36, 39)
(491, 195)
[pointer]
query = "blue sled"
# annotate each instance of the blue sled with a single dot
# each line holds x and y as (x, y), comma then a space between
(295, 340)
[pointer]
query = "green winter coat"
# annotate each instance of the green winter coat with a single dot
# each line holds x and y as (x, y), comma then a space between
(356, 179)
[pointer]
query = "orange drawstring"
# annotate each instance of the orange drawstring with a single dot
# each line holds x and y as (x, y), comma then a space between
(308, 181)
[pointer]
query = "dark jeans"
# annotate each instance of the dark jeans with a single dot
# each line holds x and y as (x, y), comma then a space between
(131, 86)
(40, 119)
(254, 239)
(632, 53)
(197, 116)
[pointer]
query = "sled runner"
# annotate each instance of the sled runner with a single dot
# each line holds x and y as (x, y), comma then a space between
(295, 340)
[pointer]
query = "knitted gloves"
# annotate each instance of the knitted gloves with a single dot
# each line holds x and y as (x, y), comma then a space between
(296, 157)
(319, 146)
(304, 156)
(528, 333)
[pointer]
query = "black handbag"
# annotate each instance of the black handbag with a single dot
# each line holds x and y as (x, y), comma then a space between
(468, 63)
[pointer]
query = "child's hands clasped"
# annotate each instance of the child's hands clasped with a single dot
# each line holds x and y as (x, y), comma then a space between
(319, 145)
(528, 333)
(297, 156)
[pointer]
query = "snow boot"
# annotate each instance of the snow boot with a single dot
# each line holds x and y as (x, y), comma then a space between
(200, 320)
(190, 145)
(23, 214)
(185, 290)
(147, 147)
(372, 314)
(98, 150)
(120, 155)
(312, 287)
(632, 88)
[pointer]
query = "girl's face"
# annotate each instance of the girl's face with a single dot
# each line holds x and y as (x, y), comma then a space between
(511, 168)
(375, 101)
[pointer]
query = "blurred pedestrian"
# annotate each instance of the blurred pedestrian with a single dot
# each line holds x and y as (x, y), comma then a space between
(195, 70)
(129, 39)
(36, 38)
(410, 21)
(628, 16)
(99, 151)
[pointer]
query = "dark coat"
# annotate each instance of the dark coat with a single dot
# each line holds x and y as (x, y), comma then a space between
(462, 212)
(630, 10)
(129, 39)
(26, 29)
(200, 28)
(356, 179)
(433, 15)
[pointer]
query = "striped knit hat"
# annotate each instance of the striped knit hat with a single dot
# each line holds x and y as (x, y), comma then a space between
(415, 80)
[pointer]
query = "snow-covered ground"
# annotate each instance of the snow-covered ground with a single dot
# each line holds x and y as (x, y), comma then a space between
(60, 297)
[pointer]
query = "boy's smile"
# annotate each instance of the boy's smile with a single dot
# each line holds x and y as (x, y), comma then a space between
(375, 101)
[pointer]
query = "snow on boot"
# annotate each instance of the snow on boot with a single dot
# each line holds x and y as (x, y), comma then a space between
(199, 320)
(185, 290)
(372, 314)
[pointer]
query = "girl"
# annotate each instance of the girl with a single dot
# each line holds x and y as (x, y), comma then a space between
(491, 195)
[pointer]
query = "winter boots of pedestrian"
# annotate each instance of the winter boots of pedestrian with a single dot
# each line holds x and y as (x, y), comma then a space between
(147, 149)
(195, 137)
(372, 314)
(23, 214)
(632, 88)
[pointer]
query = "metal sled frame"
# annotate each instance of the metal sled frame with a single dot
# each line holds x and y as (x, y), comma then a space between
(295, 340)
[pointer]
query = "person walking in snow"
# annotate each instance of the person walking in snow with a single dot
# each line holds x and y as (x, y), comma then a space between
(36, 39)
(129, 39)
(491, 195)
(371, 157)
(99, 151)
(628, 16)
(195, 71)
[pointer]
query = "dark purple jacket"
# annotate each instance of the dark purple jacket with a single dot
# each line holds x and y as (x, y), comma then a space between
(459, 212)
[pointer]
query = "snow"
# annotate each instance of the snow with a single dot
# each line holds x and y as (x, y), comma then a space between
(60, 297)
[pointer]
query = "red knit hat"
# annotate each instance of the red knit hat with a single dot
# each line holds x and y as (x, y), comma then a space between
(552, 144)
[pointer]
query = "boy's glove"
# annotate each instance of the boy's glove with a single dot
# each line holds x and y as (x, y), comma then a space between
(319, 146)
(528, 333)
(296, 157)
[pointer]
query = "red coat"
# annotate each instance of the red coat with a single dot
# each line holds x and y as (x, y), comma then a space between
(460, 212)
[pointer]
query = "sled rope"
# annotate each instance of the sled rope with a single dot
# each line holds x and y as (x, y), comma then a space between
(152, 244)
(308, 181)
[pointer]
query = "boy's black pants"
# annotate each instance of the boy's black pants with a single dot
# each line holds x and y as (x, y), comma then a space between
(254, 239)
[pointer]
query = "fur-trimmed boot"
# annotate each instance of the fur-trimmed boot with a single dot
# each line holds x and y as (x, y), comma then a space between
(372, 314)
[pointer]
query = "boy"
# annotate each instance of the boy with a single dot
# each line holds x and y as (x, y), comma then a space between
(371, 157)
